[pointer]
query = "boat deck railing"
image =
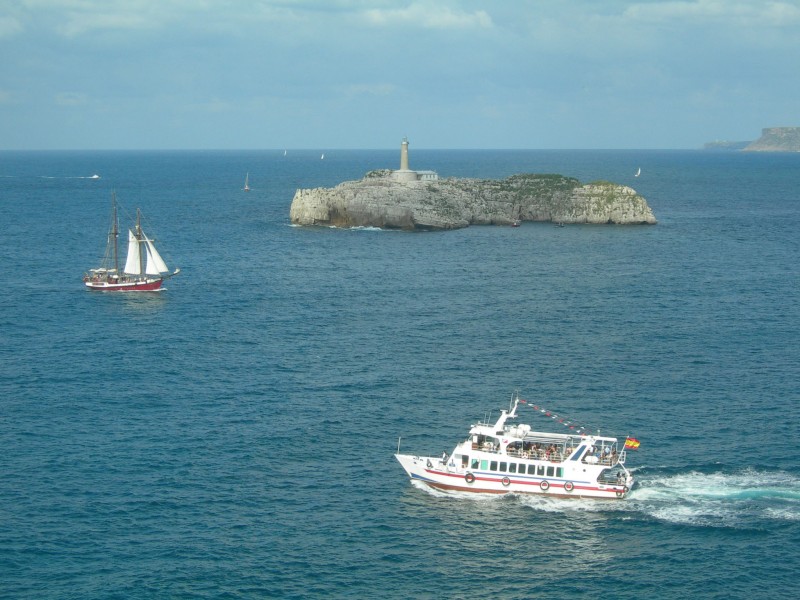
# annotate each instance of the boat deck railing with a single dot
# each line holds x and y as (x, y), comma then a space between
(557, 456)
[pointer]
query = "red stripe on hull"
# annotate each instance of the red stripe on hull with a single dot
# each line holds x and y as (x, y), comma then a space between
(576, 493)
(150, 286)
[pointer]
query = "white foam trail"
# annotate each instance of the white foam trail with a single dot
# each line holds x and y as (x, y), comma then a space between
(719, 499)
(456, 495)
(95, 176)
(692, 498)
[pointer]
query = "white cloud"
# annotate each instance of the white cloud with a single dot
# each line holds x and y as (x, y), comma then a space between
(73, 18)
(214, 105)
(9, 26)
(71, 99)
(431, 16)
(369, 89)
(697, 12)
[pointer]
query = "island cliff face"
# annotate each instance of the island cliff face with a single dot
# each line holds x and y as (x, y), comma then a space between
(776, 139)
(381, 200)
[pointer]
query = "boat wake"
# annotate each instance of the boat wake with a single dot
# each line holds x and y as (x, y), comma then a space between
(95, 176)
(358, 228)
(721, 499)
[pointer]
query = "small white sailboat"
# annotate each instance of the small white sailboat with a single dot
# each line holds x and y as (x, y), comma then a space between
(246, 184)
(322, 157)
(638, 172)
(144, 269)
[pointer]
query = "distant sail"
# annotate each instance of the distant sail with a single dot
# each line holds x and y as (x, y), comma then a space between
(638, 172)
(323, 156)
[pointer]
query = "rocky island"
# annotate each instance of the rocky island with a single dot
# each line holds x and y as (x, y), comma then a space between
(419, 200)
(776, 139)
(773, 139)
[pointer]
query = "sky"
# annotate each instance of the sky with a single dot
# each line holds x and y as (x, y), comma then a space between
(362, 74)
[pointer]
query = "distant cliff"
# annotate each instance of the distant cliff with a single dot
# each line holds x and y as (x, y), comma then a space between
(776, 139)
(380, 200)
(725, 145)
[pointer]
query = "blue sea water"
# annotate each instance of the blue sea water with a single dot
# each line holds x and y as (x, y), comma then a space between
(232, 435)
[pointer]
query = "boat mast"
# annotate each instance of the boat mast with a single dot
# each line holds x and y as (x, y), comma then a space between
(115, 230)
(139, 237)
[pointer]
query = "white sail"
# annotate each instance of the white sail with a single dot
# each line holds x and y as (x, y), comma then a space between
(132, 263)
(155, 264)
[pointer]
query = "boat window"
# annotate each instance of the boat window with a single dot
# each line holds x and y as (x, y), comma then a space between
(475, 463)
(503, 466)
(493, 465)
(512, 468)
(559, 472)
(541, 470)
(464, 460)
(484, 465)
(579, 453)
(550, 471)
(531, 469)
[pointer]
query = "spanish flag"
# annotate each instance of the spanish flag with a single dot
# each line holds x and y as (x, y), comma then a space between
(632, 443)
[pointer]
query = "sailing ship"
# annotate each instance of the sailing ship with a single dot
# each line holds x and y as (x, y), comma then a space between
(246, 185)
(144, 269)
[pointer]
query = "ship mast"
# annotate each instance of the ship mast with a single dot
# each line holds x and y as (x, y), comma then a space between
(140, 237)
(115, 230)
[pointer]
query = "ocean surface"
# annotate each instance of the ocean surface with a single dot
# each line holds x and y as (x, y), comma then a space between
(232, 436)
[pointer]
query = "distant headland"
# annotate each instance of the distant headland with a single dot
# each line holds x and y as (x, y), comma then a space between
(773, 139)
(420, 200)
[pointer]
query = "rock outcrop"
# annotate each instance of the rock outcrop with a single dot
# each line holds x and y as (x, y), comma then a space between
(379, 200)
(776, 139)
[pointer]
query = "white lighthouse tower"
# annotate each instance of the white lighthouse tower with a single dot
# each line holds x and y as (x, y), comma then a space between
(404, 173)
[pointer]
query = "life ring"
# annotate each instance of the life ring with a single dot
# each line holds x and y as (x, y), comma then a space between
(469, 477)
(569, 486)
(506, 481)
(544, 485)
(619, 494)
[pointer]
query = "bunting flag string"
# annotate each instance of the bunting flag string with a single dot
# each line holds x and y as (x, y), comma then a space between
(631, 443)
(578, 428)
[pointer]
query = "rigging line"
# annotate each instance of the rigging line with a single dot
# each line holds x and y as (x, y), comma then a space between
(556, 417)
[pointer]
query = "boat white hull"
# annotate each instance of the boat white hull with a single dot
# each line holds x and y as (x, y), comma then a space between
(436, 474)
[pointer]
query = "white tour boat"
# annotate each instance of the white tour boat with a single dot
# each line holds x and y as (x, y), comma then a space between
(498, 458)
